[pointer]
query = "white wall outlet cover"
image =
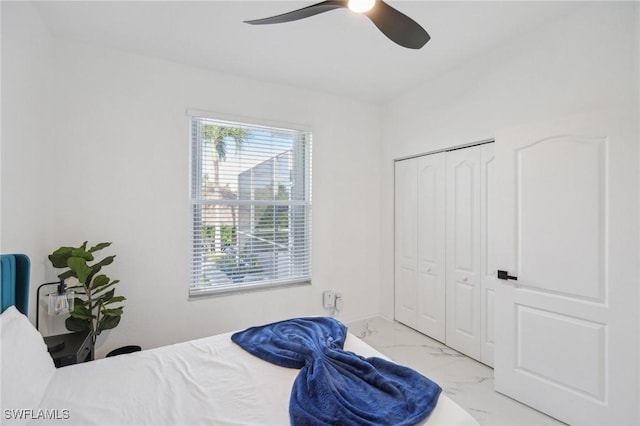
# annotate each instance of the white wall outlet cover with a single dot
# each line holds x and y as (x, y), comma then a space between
(328, 299)
(339, 302)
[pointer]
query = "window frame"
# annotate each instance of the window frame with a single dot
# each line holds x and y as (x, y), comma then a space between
(195, 184)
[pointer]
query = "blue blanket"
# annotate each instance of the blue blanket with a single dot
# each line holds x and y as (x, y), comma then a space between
(337, 387)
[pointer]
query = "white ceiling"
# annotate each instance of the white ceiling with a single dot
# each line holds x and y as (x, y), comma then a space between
(336, 52)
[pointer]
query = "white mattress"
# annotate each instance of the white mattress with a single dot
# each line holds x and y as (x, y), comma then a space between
(208, 381)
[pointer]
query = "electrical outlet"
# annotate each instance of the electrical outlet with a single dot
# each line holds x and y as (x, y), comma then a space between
(339, 304)
(328, 299)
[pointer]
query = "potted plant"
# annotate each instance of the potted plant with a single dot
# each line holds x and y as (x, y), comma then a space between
(94, 309)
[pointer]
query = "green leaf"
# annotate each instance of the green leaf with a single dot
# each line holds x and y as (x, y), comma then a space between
(75, 324)
(93, 273)
(99, 281)
(115, 299)
(105, 297)
(108, 322)
(82, 311)
(80, 306)
(112, 312)
(79, 252)
(98, 247)
(99, 289)
(80, 267)
(104, 262)
(79, 302)
(59, 257)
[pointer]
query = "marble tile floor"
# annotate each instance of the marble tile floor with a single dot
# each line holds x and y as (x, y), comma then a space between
(464, 380)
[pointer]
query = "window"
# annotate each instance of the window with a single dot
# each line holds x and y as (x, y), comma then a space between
(251, 206)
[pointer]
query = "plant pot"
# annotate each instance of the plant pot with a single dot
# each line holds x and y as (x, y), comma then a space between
(124, 350)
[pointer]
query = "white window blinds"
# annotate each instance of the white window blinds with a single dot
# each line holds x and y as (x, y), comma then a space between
(251, 206)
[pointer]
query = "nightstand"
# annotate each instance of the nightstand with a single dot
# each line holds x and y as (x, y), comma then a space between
(68, 349)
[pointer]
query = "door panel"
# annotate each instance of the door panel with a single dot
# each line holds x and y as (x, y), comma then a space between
(431, 246)
(576, 345)
(406, 244)
(463, 182)
(567, 329)
(562, 191)
(487, 264)
(463, 251)
(466, 311)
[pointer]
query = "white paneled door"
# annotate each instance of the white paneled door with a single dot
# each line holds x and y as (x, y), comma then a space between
(420, 244)
(566, 226)
(406, 242)
(463, 251)
(488, 281)
(431, 245)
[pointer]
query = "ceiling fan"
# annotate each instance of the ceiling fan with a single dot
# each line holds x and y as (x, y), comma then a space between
(395, 25)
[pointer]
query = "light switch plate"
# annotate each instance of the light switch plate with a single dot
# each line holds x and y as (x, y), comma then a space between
(328, 299)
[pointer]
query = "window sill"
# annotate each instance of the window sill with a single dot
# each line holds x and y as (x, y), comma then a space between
(204, 292)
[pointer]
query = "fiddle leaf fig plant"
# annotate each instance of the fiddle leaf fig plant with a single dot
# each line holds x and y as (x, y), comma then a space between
(94, 309)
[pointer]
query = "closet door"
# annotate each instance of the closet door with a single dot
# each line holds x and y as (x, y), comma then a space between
(463, 260)
(431, 245)
(406, 241)
(488, 279)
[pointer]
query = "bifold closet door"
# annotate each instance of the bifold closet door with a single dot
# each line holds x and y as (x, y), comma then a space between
(420, 244)
(431, 246)
(463, 258)
(406, 241)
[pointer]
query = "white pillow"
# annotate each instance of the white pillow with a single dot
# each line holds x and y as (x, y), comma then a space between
(25, 365)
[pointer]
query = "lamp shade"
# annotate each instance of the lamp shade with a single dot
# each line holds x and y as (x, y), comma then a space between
(61, 303)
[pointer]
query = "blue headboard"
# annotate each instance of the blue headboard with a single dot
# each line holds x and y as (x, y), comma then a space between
(15, 270)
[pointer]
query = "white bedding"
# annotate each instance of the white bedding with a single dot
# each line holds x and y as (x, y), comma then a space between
(207, 381)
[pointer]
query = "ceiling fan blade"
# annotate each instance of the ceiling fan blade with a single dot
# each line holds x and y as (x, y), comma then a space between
(305, 12)
(397, 26)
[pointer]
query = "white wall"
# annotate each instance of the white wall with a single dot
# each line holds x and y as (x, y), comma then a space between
(583, 61)
(27, 136)
(95, 146)
(117, 166)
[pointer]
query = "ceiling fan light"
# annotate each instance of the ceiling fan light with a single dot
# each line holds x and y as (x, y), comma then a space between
(361, 6)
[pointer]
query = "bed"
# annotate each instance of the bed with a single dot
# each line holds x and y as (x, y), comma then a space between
(209, 381)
